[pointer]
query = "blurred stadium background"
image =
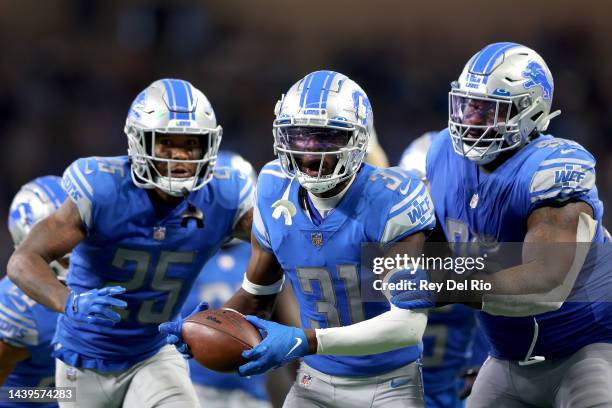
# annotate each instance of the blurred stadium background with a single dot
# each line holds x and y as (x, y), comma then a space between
(70, 68)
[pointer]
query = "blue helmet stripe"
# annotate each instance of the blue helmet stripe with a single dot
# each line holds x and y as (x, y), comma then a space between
(327, 85)
(190, 99)
(492, 62)
(487, 57)
(305, 89)
(170, 94)
(314, 99)
(51, 185)
(180, 99)
(483, 57)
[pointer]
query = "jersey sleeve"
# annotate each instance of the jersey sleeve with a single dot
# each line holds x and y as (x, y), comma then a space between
(407, 206)
(79, 189)
(91, 183)
(17, 323)
(568, 173)
(234, 189)
(435, 151)
(246, 189)
(267, 189)
(259, 227)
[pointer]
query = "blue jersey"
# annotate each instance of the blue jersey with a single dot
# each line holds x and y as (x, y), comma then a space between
(25, 323)
(323, 262)
(449, 341)
(448, 346)
(218, 281)
(475, 206)
(452, 343)
(480, 349)
(128, 244)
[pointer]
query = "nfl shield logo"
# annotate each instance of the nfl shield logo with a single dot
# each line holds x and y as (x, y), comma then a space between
(306, 381)
(317, 239)
(159, 233)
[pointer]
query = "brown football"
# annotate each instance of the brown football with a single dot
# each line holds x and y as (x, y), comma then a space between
(218, 337)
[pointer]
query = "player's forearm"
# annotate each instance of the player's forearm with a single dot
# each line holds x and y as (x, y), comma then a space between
(249, 304)
(259, 298)
(32, 274)
(550, 296)
(549, 282)
(514, 292)
(540, 274)
(391, 330)
(531, 277)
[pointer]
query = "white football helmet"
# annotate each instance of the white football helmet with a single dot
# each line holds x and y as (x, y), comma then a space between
(502, 98)
(170, 106)
(33, 202)
(324, 115)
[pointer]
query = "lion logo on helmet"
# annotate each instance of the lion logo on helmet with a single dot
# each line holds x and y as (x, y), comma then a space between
(536, 76)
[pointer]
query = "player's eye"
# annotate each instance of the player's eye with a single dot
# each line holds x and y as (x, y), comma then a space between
(194, 142)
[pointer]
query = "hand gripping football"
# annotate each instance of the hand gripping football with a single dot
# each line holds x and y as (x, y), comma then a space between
(218, 337)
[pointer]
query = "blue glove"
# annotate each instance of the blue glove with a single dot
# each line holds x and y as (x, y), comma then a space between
(95, 306)
(280, 345)
(173, 331)
(415, 298)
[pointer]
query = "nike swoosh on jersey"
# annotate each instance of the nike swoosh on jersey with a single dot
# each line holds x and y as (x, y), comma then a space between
(298, 341)
(565, 151)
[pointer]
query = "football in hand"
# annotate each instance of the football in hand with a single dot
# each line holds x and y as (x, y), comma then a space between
(218, 337)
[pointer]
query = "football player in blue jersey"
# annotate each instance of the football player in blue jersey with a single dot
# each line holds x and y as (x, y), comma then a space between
(220, 278)
(494, 176)
(140, 228)
(449, 346)
(26, 328)
(314, 207)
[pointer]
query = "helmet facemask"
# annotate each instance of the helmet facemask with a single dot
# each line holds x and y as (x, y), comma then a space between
(320, 157)
(145, 164)
(481, 127)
